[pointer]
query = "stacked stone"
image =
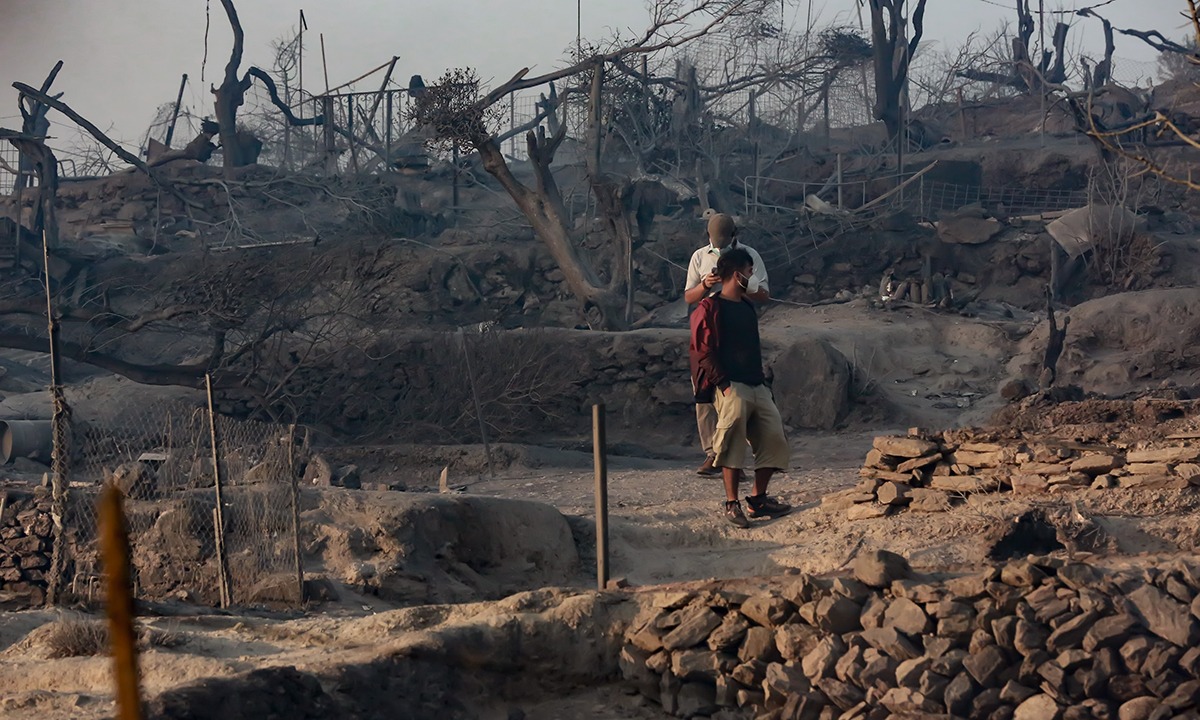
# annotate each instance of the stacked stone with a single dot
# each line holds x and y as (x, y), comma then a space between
(927, 472)
(1034, 638)
(26, 532)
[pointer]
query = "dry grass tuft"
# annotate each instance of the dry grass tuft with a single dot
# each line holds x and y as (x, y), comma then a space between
(74, 637)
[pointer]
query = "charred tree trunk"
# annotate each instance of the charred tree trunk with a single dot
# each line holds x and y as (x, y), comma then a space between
(613, 194)
(1055, 342)
(1056, 72)
(892, 53)
(231, 94)
(1103, 72)
(34, 123)
(543, 207)
(44, 166)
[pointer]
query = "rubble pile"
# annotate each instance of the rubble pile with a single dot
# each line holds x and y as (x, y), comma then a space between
(26, 529)
(928, 473)
(1033, 638)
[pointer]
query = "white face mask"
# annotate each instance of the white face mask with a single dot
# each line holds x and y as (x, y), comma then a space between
(749, 284)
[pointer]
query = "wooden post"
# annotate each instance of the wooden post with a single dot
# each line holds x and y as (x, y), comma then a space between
(295, 483)
(454, 191)
(324, 64)
(219, 511)
(828, 131)
(839, 180)
(114, 547)
(331, 160)
(600, 457)
(927, 274)
(962, 115)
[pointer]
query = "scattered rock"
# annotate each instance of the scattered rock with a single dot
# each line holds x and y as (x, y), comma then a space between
(867, 511)
(1029, 484)
(729, 635)
(697, 622)
(767, 610)
(838, 615)
(1037, 707)
(986, 665)
(968, 230)
(1096, 464)
(905, 447)
(1164, 455)
(796, 640)
(1165, 617)
(1140, 708)
(929, 500)
(880, 568)
(891, 493)
(965, 484)
(759, 644)
(918, 463)
(907, 617)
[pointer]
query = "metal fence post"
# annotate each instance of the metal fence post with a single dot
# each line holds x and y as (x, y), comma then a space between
(331, 159)
(350, 132)
(223, 580)
(388, 132)
(512, 119)
(58, 455)
(295, 485)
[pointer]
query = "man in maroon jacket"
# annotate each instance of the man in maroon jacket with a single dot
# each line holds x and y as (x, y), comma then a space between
(727, 370)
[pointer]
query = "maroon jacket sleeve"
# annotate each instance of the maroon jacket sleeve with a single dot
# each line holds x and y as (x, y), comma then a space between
(707, 373)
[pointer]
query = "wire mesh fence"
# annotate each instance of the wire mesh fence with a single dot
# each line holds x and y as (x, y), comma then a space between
(928, 198)
(10, 163)
(211, 505)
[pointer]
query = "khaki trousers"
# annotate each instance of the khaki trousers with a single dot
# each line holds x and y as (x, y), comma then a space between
(706, 422)
(748, 414)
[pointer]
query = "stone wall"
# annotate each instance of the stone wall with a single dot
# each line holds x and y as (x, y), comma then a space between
(1034, 638)
(931, 472)
(26, 532)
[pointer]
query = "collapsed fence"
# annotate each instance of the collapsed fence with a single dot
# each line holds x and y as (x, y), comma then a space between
(212, 506)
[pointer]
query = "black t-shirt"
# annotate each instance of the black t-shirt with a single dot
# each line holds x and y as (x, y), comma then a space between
(738, 346)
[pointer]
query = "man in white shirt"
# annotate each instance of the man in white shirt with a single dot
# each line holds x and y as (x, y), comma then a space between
(703, 281)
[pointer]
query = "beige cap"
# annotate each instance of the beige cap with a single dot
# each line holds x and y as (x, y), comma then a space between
(720, 230)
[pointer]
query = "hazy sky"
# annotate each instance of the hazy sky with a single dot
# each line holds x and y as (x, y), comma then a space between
(124, 57)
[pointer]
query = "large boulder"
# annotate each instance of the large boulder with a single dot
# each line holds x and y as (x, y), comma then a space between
(812, 385)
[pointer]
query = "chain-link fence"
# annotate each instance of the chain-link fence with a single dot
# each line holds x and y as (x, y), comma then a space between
(211, 505)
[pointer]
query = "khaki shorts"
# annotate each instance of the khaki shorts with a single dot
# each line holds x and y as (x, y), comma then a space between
(748, 413)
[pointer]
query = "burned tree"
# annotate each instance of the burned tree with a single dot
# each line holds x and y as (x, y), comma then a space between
(460, 115)
(241, 148)
(894, 46)
(1024, 73)
(1127, 135)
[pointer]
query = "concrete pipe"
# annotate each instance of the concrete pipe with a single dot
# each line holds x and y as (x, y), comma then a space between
(26, 438)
